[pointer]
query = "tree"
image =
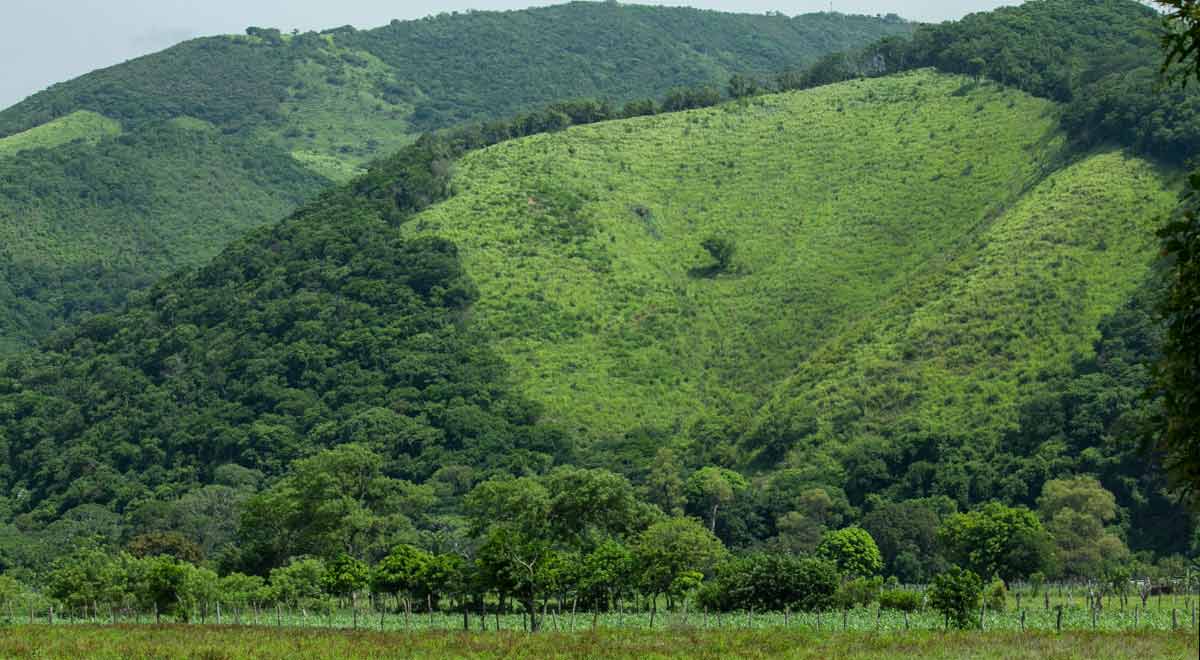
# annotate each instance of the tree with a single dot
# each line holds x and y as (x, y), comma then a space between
(721, 249)
(164, 581)
(171, 544)
(345, 575)
(906, 533)
(956, 594)
(1075, 511)
(742, 86)
(664, 484)
(400, 573)
(299, 583)
(997, 540)
(710, 488)
(86, 577)
(606, 572)
(1179, 373)
(853, 550)
(669, 549)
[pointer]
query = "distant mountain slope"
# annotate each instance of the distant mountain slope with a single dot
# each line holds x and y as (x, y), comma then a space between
(289, 114)
(840, 202)
(917, 269)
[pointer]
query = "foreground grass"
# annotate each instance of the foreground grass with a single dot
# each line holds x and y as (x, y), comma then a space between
(235, 642)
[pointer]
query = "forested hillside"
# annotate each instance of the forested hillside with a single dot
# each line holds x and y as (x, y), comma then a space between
(267, 120)
(696, 313)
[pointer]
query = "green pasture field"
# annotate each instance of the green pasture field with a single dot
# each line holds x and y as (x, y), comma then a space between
(215, 642)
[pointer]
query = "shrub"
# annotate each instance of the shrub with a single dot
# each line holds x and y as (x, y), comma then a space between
(858, 592)
(900, 600)
(956, 595)
(996, 595)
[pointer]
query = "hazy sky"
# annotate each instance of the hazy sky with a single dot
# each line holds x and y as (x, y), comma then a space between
(47, 41)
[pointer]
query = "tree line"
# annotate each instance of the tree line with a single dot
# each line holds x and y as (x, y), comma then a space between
(586, 537)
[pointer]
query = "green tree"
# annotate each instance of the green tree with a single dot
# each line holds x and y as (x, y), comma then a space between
(298, 583)
(956, 595)
(710, 488)
(163, 585)
(1075, 511)
(1179, 373)
(671, 548)
(722, 250)
(742, 86)
(853, 550)
(86, 577)
(400, 573)
(997, 540)
(664, 484)
(344, 576)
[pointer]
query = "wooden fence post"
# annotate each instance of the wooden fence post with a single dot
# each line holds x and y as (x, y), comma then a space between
(1022, 620)
(1174, 619)
(906, 620)
(845, 620)
(1058, 621)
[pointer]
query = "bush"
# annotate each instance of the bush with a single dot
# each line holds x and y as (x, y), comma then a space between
(771, 582)
(996, 595)
(900, 600)
(956, 595)
(859, 592)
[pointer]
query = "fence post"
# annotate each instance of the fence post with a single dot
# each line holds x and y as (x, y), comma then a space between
(1047, 595)
(905, 620)
(1022, 620)
(845, 620)
(982, 609)
(879, 618)
(1058, 623)
(1174, 619)
(50, 616)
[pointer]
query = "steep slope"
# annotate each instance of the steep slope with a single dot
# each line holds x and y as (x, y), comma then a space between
(587, 245)
(288, 114)
(917, 268)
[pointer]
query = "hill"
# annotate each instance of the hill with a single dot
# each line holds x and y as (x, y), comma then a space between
(266, 120)
(880, 290)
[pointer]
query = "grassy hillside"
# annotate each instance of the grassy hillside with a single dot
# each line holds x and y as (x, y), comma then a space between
(587, 245)
(81, 125)
(919, 262)
(286, 115)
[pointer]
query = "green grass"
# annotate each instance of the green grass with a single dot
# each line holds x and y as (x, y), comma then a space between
(841, 200)
(80, 125)
(248, 642)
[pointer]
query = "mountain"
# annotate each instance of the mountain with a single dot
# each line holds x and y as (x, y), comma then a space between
(869, 288)
(128, 173)
(877, 301)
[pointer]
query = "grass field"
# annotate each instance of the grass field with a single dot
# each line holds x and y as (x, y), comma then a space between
(212, 643)
(81, 125)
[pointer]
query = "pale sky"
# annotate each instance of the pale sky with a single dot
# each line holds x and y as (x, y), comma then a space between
(47, 41)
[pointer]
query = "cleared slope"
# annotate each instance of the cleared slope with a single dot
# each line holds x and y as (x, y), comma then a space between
(586, 245)
(944, 368)
(80, 125)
